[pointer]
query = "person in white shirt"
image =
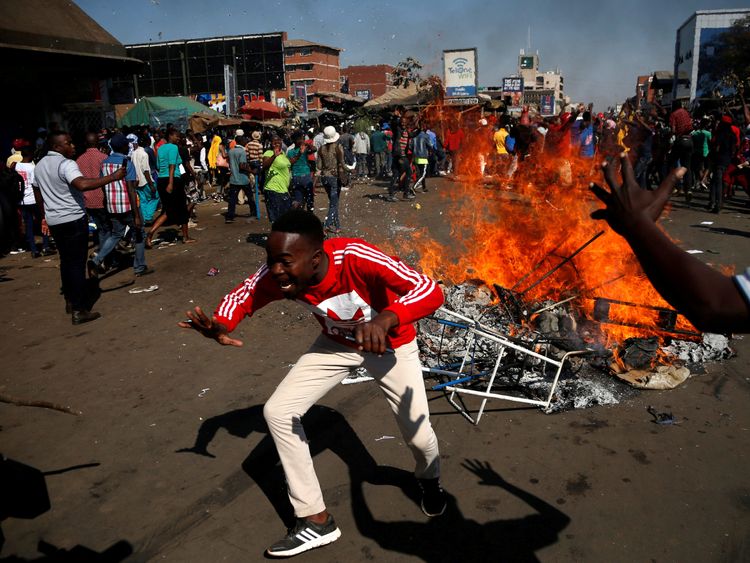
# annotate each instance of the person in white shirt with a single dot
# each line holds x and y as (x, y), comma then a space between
(30, 212)
(59, 186)
(147, 194)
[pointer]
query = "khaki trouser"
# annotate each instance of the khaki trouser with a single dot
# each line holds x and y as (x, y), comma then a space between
(321, 368)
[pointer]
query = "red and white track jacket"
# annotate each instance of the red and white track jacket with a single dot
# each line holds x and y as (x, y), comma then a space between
(361, 282)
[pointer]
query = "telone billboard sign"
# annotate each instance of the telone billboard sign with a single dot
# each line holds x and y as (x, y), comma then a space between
(460, 72)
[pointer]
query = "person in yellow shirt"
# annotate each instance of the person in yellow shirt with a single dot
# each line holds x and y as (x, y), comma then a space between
(502, 156)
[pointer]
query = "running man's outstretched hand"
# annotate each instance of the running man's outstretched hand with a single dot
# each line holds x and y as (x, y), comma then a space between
(210, 328)
(628, 204)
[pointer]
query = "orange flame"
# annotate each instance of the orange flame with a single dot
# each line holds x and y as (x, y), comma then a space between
(503, 229)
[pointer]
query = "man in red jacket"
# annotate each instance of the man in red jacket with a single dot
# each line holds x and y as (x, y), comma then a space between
(366, 303)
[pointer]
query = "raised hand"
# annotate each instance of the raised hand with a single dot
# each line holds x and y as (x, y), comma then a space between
(210, 328)
(627, 203)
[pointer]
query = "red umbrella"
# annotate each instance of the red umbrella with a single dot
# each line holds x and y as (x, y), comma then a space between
(258, 109)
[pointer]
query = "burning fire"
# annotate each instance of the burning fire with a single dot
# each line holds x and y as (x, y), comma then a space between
(518, 229)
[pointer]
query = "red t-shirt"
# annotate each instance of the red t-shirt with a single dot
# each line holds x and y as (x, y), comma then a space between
(361, 282)
(453, 140)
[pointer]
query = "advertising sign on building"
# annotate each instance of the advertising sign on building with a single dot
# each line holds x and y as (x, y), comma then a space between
(300, 93)
(230, 89)
(364, 94)
(460, 71)
(526, 62)
(513, 84)
(547, 105)
(513, 89)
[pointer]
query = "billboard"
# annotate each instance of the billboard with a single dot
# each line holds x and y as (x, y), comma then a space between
(364, 94)
(547, 105)
(513, 90)
(512, 84)
(300, 93)
(460, 72)
(526, 62)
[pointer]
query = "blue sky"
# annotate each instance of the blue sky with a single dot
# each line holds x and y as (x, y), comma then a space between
(600, 46)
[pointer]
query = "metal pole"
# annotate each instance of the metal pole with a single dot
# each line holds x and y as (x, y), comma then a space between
(563, 262)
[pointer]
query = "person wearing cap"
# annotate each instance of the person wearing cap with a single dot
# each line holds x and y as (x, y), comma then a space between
(332, 164)
(58, 188)
(30, 212)
(15, 151)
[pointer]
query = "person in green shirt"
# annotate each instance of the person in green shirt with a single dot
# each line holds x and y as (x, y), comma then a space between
(174, 209)
(701, 138)
(277, 167)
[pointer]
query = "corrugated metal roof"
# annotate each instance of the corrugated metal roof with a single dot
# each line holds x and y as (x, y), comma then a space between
(55, 26)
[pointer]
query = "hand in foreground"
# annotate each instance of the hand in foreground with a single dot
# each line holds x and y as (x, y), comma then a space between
(119, 174)
(371, 336)
(210, 328)
(627, 204)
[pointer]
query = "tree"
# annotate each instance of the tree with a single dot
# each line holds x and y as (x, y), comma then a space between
(407, 72)
(731, 61)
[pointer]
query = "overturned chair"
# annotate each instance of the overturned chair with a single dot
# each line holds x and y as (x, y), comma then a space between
(473, 359)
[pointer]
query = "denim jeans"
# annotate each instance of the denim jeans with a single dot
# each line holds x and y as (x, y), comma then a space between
(302, 192)
(119, 223)
(100, 217)
(72, 239)
(30, 214)
(277, 204)
(682, 152)
(234, 191)
(331, 185)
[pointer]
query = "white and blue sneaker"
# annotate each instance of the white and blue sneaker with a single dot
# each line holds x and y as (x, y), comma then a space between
(305, 536)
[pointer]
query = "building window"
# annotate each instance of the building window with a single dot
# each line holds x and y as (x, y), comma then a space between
(305, 52)
(292, 68)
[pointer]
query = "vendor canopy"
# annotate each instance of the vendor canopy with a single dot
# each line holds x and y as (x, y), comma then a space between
(160, 110)
(396, 97)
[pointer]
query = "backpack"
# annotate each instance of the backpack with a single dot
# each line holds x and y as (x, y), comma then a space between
(12, 185)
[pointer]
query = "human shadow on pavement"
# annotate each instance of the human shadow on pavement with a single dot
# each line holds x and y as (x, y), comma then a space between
(325, 428)
(23, 494)
(453, 537)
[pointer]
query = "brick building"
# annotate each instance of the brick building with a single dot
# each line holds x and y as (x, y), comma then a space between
(367, 81)
(313, 64)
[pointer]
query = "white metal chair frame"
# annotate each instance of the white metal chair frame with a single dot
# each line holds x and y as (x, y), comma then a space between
(476, 330)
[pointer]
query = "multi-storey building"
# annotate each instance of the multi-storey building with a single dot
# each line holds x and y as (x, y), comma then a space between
(537, 84)
(367, 81)
(698, 40)
(314, 65)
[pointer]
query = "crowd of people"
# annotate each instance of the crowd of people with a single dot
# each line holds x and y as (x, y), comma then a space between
(166, 173)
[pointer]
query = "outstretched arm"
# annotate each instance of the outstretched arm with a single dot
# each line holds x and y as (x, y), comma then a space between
(488, 476)
(709, 299)
(210, 328)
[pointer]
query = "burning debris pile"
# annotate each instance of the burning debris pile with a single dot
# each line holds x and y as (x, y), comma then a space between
(460, 352)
